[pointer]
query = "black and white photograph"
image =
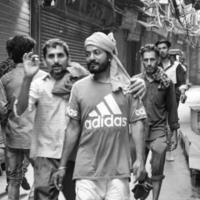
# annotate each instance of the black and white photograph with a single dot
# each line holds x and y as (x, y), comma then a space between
(99, 100)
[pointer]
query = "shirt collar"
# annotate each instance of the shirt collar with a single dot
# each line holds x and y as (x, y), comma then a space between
(47, 76)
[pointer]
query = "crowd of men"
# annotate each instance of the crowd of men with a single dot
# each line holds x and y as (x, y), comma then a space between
(78, 126)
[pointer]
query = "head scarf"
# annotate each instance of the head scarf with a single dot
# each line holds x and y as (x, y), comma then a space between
(118, 75)
(160, 76)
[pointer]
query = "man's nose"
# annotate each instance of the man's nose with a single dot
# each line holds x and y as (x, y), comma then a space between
(91, 56)
(56, 59)
(149, 62)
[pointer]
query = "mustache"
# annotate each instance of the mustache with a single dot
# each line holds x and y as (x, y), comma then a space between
(92, 62)
(56, 65)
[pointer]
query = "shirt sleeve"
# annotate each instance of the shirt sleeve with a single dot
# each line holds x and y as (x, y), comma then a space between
(137, 110)
(33, 95)
(172, 108)
(73, 109)
(3, 100)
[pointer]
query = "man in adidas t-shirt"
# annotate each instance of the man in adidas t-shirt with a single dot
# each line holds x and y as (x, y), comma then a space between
(100, 112)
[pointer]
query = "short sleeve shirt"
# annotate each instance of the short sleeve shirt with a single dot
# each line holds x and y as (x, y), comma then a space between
(104, 118)
(50, 119)
(18, 129)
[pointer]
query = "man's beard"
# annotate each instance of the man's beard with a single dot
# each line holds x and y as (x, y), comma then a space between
(96, 68)
(58, 75)
(163, 55)
(150, 70)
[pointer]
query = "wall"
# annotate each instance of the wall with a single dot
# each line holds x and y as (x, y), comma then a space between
(14, 19)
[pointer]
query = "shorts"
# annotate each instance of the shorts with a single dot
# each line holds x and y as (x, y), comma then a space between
(104, 189)
(45, 189)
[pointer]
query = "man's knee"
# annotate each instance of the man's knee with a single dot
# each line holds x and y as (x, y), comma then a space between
(159, 146)
(44, 192)
(14, 174)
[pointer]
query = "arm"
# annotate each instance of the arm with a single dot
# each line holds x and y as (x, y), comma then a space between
(181, 75)
(172, 115)
(31, 67)
(137, 132)
(23, 97)
(181, 82)
(71, 138)
(172, 107)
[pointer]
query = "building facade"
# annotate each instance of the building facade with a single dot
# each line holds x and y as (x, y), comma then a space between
(15, 18)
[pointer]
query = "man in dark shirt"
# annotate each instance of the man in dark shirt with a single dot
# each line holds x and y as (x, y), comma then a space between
(17, 130)
(174, 70)
(6, 66)
(160, 104)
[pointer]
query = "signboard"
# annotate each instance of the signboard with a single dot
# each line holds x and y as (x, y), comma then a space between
(163, 1)
(129, 19)
(99, 10)
(135, 33)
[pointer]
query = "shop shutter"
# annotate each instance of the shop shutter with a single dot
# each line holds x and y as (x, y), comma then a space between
(14, 19)
(71, 31)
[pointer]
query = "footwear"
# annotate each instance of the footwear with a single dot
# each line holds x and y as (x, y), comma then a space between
(25, 185)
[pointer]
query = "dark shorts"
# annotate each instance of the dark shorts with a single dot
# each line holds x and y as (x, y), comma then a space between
(14, 163)
(44, 168)
(158, 148)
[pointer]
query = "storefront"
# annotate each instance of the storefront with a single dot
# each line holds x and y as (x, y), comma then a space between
(71, 21)
(14, 19)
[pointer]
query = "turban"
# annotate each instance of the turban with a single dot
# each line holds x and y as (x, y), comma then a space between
(118, 75)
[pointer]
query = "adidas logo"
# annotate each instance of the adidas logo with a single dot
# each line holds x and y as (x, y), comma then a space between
(106, 114)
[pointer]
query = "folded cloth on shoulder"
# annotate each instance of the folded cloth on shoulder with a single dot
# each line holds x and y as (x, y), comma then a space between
(118, 75)
(63, 86)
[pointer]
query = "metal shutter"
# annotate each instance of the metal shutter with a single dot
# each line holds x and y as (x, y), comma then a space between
(14, 19)
(71, 31)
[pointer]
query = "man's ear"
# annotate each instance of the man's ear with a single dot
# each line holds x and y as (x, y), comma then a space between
(110, 57)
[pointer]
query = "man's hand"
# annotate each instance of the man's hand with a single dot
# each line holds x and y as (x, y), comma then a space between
(139, 170)
(31, 64)
(3, 108)
(173, 141)
(137, 87)
(58, 178)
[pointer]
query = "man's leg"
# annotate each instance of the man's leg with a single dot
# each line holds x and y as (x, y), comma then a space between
(90, 189)
(44, 168)
(158, 148)
(68, 182)
(25, 185)
(14, 160)
(2, 158)
(31, 194)
(118, 189)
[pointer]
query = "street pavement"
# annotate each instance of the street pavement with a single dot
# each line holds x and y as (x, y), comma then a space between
(190, 137)
(24, 194)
